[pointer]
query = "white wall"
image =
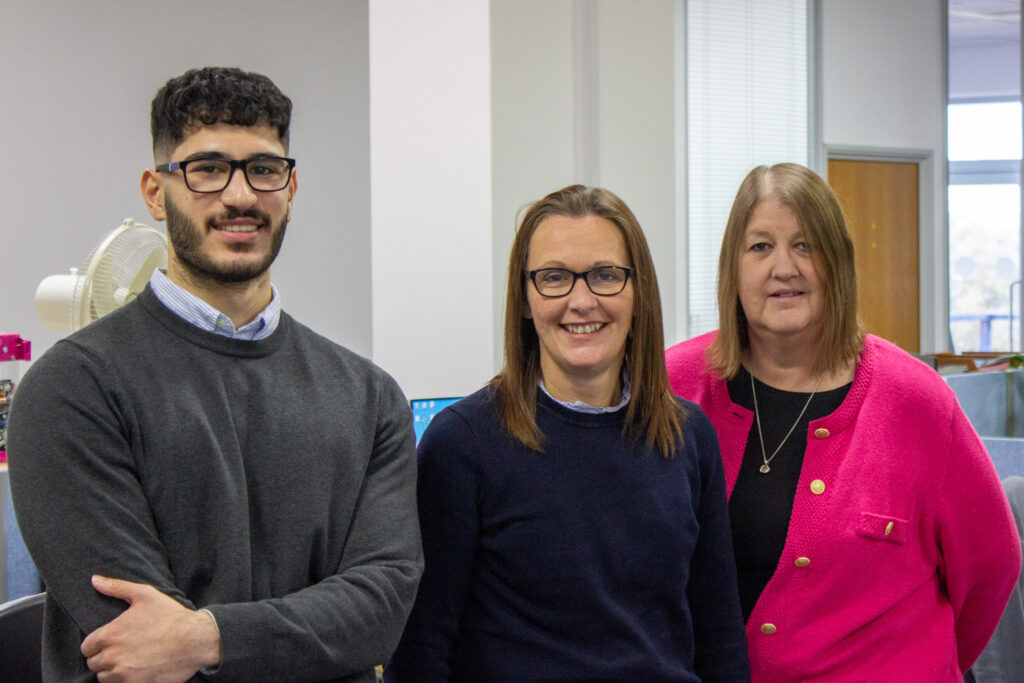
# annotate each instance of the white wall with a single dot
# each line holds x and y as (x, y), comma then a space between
(638, 84)
(884, 88)
(533, 121)
(76, 82)
(431, 194)
(585, 92)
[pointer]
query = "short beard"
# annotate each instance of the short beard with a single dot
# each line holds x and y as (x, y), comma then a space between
(187, 242)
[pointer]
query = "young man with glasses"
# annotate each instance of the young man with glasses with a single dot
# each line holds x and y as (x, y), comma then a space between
(194, 494)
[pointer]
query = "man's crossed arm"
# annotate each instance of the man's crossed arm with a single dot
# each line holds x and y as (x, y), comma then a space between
(155, 639)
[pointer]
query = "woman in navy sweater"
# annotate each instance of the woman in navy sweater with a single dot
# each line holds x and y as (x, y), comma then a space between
(573, 511)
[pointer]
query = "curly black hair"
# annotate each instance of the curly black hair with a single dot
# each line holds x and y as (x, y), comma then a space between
(215, 94)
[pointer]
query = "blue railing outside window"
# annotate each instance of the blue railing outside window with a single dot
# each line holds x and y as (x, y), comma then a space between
(984, 320)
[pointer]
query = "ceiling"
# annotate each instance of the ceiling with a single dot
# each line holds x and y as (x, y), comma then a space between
(977, 23)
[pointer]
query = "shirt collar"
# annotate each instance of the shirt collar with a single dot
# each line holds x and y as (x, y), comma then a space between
(581, 407)
(194, 310)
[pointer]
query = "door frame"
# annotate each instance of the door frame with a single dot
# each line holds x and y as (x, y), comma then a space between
(932, 237)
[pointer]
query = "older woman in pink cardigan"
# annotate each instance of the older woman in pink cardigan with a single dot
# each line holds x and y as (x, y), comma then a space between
(872, 537)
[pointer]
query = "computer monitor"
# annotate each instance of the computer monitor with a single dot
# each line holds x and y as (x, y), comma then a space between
(424, 410)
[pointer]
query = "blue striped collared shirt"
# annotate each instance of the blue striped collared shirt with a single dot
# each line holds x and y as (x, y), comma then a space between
(581, 407)
(191, 308)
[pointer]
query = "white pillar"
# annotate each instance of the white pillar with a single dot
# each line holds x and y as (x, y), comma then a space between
(430, 175)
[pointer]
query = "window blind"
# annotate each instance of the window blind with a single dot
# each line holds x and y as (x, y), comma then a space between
(747, 104)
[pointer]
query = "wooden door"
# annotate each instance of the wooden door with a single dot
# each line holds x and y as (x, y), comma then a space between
(880, 199)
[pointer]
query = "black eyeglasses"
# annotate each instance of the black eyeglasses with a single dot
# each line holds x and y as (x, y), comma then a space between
(264, 174)
(602, 281)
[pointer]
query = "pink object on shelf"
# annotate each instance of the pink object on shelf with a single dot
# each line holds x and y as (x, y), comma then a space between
(13, 347)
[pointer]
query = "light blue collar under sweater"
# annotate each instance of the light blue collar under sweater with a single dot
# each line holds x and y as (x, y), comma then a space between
(581, 407)
(191, 308)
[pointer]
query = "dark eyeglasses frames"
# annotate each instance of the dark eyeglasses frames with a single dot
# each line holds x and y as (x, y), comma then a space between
(263, 173)
(558, 282)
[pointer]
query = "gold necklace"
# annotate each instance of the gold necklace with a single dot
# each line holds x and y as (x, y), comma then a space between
(765, 468)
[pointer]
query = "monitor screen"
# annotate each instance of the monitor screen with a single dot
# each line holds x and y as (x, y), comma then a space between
(424, 410)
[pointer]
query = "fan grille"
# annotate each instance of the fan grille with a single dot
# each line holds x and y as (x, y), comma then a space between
(116, 270)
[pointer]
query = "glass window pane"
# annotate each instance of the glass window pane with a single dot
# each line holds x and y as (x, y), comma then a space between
(984, 130)
(984, 249)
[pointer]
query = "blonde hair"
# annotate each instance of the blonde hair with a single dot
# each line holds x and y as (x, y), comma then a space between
(653, 411)
(824, 226)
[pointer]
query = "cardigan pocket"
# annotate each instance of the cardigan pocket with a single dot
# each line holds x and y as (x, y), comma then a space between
(882, 528)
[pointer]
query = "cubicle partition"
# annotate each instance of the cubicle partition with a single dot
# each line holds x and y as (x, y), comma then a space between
(994, 402)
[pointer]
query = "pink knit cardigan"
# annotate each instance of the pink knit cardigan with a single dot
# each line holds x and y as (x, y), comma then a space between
(901, 551)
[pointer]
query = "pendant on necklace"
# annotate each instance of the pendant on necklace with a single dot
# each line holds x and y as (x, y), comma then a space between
(765, 469)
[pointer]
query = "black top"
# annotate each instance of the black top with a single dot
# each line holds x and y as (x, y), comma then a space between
(761, 504)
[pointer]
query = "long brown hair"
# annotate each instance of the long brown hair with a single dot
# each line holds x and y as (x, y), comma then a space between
(653, 411)
(823, 223)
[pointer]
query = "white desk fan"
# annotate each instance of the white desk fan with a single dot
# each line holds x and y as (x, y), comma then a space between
(115, 272)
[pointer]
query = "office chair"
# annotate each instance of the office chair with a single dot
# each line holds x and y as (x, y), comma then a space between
(21, 639)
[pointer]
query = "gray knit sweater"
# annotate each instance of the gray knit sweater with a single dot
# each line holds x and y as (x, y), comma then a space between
(272, 482)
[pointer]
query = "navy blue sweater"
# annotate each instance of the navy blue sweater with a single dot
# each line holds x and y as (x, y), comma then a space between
(596, 560)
